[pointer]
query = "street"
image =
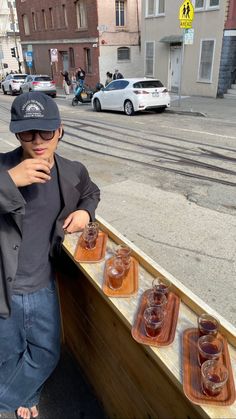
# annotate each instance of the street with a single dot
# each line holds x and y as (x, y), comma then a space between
(167, 183)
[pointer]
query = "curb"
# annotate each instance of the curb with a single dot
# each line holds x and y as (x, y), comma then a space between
(185, 112)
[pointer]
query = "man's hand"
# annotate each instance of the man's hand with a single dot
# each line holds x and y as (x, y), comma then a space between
(30, 171)
(76, 221)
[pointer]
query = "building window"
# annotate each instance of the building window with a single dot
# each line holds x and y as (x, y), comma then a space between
(88, 60)
(71, 57)
(149, 58)
(26, 24)
(34, 21)
(155, 7)
(44, 19)
(64, 16)
(206, 60)
(120, 13)
(51, 20)
(206, 4)
(123, 53)
(81, 14)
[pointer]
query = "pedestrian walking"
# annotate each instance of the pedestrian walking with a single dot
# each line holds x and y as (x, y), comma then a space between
(42, 196)
(117, 75)
(66, 82)
(109, 78)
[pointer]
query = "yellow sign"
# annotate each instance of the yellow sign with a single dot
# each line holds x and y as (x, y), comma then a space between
(186, 14)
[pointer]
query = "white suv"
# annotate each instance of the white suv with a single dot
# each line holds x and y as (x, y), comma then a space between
(12, 83)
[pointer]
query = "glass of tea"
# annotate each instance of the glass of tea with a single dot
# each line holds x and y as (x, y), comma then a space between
(90, 234)
(153, 321)
(115, 272)
(156, 299)
(160, 285)
(124, 252)
(207, 325)
(209, 348)
(214, 376)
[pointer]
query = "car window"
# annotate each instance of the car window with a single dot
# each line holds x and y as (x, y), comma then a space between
(19, 76)
(43, 78)
(28, 79)
(117, 85)
(9, 77)
(147, 84)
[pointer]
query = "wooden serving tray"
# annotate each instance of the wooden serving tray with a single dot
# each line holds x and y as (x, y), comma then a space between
(167, 334)
(192, 372)
(130, 281)
(93, 255)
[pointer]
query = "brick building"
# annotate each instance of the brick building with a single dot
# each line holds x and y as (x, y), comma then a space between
(92, 34)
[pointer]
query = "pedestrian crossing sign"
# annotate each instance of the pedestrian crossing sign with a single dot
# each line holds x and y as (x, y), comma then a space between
(186, 14)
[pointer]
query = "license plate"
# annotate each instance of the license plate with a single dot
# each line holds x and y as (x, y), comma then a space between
(155, 94)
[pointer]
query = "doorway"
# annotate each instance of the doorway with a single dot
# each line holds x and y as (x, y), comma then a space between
(175, 63)
(65, 60)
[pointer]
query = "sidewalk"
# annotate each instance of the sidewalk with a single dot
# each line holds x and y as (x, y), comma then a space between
(200, 106)
(219, 108)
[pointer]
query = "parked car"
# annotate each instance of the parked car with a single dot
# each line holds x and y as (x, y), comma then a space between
(12, 83)
(132, 95)
(39, 83)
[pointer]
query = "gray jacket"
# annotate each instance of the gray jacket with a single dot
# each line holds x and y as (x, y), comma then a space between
(77, 192)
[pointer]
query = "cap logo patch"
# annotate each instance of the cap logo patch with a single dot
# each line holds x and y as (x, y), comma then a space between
(33, 109)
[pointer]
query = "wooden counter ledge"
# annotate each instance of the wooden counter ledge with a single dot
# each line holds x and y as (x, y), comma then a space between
(130, 379)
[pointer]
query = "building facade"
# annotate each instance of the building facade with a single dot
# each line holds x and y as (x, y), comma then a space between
(84, 33)
(9, 39)
(197, 69)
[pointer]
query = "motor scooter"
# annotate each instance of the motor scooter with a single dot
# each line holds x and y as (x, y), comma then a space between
(84, 93)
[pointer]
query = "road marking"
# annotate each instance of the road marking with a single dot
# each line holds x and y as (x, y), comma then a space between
(138, 122)
(199, 132)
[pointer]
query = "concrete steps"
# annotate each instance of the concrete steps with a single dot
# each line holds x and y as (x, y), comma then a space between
(231, 93)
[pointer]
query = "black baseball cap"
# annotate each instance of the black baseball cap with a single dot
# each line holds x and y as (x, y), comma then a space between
(34, 111)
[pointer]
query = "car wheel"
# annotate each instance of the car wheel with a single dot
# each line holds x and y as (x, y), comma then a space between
(3, 90)
(74, 101)
(128, 108)
(54, 95)
(11, 92)
(97, 105)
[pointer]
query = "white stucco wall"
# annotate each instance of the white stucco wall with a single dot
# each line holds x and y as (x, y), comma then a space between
(207, 25)
(114, 37)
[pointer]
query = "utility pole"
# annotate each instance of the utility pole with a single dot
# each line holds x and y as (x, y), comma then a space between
(12, 19)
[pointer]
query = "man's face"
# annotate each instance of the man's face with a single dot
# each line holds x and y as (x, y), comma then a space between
(40, 148)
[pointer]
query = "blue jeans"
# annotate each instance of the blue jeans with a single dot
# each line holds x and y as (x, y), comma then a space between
(29, 347)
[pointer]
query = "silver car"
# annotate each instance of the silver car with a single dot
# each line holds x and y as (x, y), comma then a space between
(39, 83)
(12, 83)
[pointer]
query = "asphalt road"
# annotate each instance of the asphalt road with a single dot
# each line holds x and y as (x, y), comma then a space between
(168, 184)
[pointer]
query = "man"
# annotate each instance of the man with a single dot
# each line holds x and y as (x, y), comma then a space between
(80, 76)
(117, 75)
(42, 195)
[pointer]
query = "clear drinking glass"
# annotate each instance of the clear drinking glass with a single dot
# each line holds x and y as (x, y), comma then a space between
(214, 376)
(209, 348)
(160, 285)
(115, 272)
(90, 234)
(153, 320)
(124, 252)
(207, 325)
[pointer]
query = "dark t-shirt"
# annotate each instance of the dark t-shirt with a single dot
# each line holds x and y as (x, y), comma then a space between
(43, 205)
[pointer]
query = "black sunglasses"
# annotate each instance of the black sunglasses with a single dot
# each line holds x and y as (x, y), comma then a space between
(28, 136)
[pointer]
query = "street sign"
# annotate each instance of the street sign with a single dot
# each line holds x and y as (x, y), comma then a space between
(30, 63)
(188, 36)
(186, 14)
(54, 55)
(29, 56)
